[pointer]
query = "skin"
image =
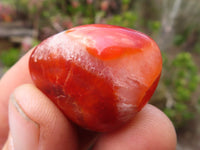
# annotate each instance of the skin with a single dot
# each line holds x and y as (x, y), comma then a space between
(29, 120)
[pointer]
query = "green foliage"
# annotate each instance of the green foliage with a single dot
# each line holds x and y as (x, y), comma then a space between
(64, 14)
(125, 2)
(181, 80)
(6, 1)
(125, 19)
(179, 39)
(197, 47)
(154, 26)
(182, 36)
(10, 57)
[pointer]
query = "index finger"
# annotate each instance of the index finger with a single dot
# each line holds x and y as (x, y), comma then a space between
(15, 76)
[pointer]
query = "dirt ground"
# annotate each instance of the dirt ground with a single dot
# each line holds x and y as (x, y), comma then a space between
(189, 138)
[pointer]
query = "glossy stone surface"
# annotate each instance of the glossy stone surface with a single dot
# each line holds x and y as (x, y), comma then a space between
(98, 75)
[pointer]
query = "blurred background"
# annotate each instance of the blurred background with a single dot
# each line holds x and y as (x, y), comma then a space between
(173, 24)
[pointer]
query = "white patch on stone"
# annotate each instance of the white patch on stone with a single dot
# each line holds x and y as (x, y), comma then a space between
(126, 111)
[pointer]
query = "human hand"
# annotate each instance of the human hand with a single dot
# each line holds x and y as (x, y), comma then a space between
(30, 121)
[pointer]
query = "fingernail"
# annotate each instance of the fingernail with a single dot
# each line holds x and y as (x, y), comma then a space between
(24, 131)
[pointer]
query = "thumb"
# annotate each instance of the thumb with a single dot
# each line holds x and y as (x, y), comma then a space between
(36, 123)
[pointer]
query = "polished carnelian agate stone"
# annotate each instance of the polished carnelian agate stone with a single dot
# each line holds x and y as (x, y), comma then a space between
(100, 76)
